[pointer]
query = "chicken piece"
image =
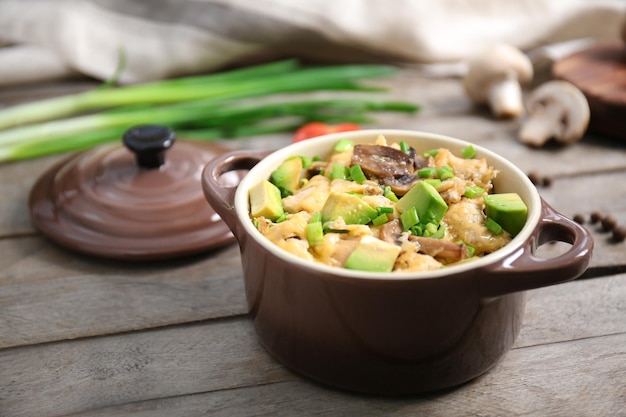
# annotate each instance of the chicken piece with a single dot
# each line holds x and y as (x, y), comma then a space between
(410, 260)
(335, 249)
(472, 170)
(342, 158)
(350, 230)
(289, 234)
(452, 190)
(365, 188)
(311, 197)
(465, 221)
(296, 246)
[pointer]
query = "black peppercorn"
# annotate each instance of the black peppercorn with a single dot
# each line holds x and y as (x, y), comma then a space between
(608, 223)
(596, 216)
(619, 234)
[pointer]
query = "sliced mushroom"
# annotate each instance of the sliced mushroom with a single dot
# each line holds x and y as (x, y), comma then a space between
(388, 165)
(391, 231)
(443, 250)
(556, 109)
(496, 76)
(316, 168)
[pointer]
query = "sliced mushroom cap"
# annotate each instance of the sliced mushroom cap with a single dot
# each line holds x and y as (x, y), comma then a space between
(496, 76)
(442, 250)
(388, 165)
(391, 231)
(556, 109)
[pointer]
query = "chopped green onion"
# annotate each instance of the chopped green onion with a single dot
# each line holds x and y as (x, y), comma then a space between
(315, 233)
(432, 152)
(356, 173)
(306, 161)
(380, 220)
(314, 230)
(315, 217)
(493, 227)
(343, 145)
(338, 171)
(282, 218)
(387, 193)
(470, 249)
(404, 147)
(439, 233)
(473, 191)
(468, 152)
(430, 229)
(384, 209)
(416, 230)
(201, 107)
(427, 172)
(409, 219)
(445, 172)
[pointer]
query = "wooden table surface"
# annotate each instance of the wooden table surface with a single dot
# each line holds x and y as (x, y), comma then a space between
(87, 337)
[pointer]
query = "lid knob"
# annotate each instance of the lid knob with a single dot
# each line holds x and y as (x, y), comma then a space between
(149, 143)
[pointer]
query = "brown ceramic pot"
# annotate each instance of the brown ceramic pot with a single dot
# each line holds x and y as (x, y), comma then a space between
(392, 333)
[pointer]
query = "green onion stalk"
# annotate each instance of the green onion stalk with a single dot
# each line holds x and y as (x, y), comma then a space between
(210, 107)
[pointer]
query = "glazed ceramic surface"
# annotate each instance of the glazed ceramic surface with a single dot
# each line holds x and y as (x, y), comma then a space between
(392, 333)
(112, 202)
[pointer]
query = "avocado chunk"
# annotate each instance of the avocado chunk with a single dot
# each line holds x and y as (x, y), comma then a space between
(508, 210)
(351, 208)
(287, 176)
(372, 254)
(265, 201)
(428, 203)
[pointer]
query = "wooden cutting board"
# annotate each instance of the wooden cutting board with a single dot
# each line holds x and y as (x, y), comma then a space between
(600, 73)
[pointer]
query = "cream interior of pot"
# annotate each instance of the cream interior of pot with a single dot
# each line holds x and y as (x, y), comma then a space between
(509, 179)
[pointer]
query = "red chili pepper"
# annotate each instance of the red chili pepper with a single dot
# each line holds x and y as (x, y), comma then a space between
(314, 129)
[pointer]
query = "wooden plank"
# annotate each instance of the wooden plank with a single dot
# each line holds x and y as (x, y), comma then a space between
(61, 378)
(221, 355)
(583, 195)
(571, 379)
(49, 294)
(573, 310)
(16, 180)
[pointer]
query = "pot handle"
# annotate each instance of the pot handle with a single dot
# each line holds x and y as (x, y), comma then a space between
(220, 193)
(522, 270)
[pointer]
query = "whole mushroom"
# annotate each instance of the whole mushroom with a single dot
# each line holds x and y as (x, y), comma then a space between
(496, 76)
(556, 110)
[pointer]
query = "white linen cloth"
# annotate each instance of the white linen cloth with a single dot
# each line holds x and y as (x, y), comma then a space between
(165, 38)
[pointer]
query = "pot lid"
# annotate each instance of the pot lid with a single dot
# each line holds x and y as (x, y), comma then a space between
(140, 201)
